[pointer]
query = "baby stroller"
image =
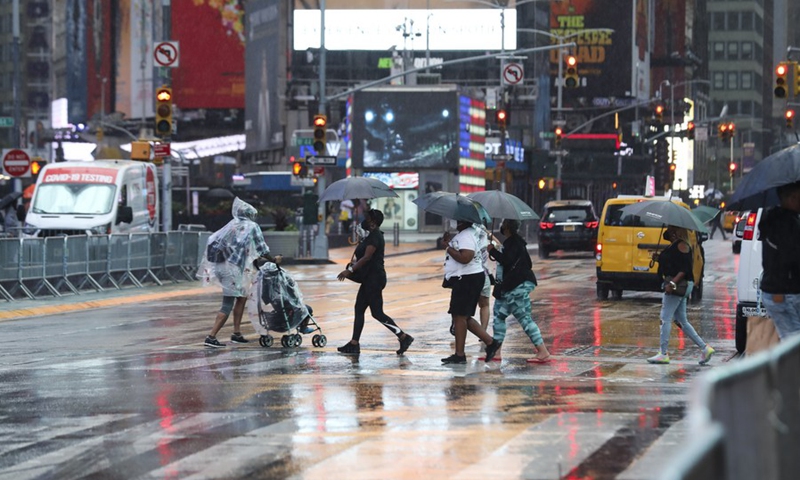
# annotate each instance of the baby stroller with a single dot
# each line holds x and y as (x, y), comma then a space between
(276, 304)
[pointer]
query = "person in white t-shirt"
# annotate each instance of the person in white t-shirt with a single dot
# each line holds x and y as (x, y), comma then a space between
(463, 272)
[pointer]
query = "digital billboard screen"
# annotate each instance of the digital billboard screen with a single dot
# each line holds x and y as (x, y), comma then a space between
(405, 129)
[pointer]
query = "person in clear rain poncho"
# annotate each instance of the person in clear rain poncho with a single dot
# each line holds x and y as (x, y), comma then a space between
(228, 262)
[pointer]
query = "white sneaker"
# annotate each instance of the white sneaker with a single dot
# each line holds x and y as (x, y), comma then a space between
(707, 352)
(660, 359)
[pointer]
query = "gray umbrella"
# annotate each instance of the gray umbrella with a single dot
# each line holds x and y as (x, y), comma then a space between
(704, 213)
(757, 188)
(667, 213)
(356, 187)
(504, 205)
(455, 206)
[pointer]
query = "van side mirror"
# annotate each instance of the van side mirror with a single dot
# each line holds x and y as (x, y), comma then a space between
(124, 215)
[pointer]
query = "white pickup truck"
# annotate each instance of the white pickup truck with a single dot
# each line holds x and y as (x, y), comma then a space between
(748, 279)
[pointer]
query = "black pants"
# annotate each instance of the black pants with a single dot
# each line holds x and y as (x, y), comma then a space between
(370, 294)
(714, 227)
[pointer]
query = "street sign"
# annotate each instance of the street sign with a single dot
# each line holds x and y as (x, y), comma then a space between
(321, 160)
(6, 122)
(162, 150)
(319, 170)
(17, 163)
(555, 153)
(166, 54)
(502, 157)
(513, 73)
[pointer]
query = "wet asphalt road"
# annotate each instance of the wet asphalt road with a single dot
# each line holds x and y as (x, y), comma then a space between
(125, 389)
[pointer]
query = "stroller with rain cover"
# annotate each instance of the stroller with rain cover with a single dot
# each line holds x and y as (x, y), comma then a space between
(276, 304)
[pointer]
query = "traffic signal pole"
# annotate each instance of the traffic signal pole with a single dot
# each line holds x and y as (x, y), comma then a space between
(17, 130)
(166, 169)
(321, 241)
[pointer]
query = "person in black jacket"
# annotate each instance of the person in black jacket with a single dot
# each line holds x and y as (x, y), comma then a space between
(512, 293)
(369, 269)
(674, 267)
(780, 258)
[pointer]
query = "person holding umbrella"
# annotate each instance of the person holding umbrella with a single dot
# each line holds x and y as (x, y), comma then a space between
(369, 270)
(675, 267)
(780, 284)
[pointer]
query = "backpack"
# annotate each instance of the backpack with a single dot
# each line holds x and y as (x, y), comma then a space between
(215, 252)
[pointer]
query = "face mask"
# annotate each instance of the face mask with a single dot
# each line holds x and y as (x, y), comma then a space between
(365, 225)
(453, 224)
(666, 236)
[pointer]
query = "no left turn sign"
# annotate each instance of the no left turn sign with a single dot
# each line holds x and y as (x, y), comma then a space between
(17, 163)
(166, 54)
(513, 73)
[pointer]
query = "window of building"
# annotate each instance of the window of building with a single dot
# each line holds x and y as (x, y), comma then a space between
(759, 25)
(718, 80)
(747, 80)
(746, 52)
(733, 21)
(759, 53)
(733, 81)
(719, 51)
(748, 21)
(733, 50)
(758, 79)
(718, 21)
(747, 108)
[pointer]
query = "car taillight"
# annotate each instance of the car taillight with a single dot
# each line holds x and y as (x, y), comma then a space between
(598, 251)
(591, 224)
(546, 225)
(750, 226)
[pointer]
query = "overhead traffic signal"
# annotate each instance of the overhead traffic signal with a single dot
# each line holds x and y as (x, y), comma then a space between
(502, 119)
(690, 130)
(164, 111)
(559, 135)
(320, 134)
(725, 131)
(732, 167)
(782, 80)
(571, 79)
(37, 163)
(789, 119)
(659, 111)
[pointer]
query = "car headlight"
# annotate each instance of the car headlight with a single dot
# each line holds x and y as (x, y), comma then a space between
(101, 229)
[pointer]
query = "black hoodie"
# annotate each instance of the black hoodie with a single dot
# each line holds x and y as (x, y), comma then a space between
(516, 262)
(780, 236)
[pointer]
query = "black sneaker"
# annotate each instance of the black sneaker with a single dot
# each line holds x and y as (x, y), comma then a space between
(238, 338)
(492, 349)
(213, 342)
(350, 348)
(405, 343)
(454, 359)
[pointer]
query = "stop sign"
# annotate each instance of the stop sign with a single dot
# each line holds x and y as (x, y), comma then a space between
(17, 163)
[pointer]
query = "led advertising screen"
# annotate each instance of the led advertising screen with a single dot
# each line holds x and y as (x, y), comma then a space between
(405, 129)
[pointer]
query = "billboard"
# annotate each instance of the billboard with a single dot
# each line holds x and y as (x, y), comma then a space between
(402, 129)
(265, 69)
(438, 25)
(211, 36)
(134, 79)
(610, 64)
(98, 60)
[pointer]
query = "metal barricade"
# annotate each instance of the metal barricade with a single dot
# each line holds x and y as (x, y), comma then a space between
(756, 404)
(9, 265)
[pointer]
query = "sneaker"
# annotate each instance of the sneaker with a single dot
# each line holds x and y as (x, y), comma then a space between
(405, 343)
(213, 342)
(455, 359)
(349, 348)
(707, 352)
(491, 350)
(660, 358)
(238, 338)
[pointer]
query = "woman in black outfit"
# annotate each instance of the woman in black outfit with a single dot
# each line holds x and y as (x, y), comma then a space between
(368, 267)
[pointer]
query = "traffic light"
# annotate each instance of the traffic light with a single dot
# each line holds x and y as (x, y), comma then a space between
(659, 113)
(796, 79)
(571, 79)
(559, 135)
(690, 130)
(502, 119)
(789, 119)
(782, 75)
(661, 171)
(299, 169)
(732, 167)
(731, 130)
(672, 168)
(164, 111)
(542, 183)
(36, 166)
(725, 131)
(320, 133)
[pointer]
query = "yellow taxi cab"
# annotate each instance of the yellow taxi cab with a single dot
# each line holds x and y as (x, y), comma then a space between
(729, 220)
(625, 246)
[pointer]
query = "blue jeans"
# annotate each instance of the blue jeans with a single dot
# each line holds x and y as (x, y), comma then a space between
(785, 315)
(673, 306)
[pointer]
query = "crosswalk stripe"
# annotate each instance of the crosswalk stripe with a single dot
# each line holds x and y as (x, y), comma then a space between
(659, 454)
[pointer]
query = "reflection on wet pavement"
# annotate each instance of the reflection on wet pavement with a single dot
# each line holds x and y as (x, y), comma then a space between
(130, 392)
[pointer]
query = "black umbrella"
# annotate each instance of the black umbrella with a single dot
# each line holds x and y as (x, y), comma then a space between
(9, 199)
(667, 213)
(357, 187)
(455, 206)
(757, 188)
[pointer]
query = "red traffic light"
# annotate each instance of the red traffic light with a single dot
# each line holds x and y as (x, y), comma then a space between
(732, 166)
(781, 70)
(164, 95)
(789, 114)
(320, 121)
(659, 109)
(501, 115)
(559, 132)
(572, 61)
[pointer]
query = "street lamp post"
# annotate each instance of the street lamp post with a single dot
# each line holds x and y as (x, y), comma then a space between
(560, 85)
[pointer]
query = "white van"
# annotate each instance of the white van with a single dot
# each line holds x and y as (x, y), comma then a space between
(94, 198)
(748, 278)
